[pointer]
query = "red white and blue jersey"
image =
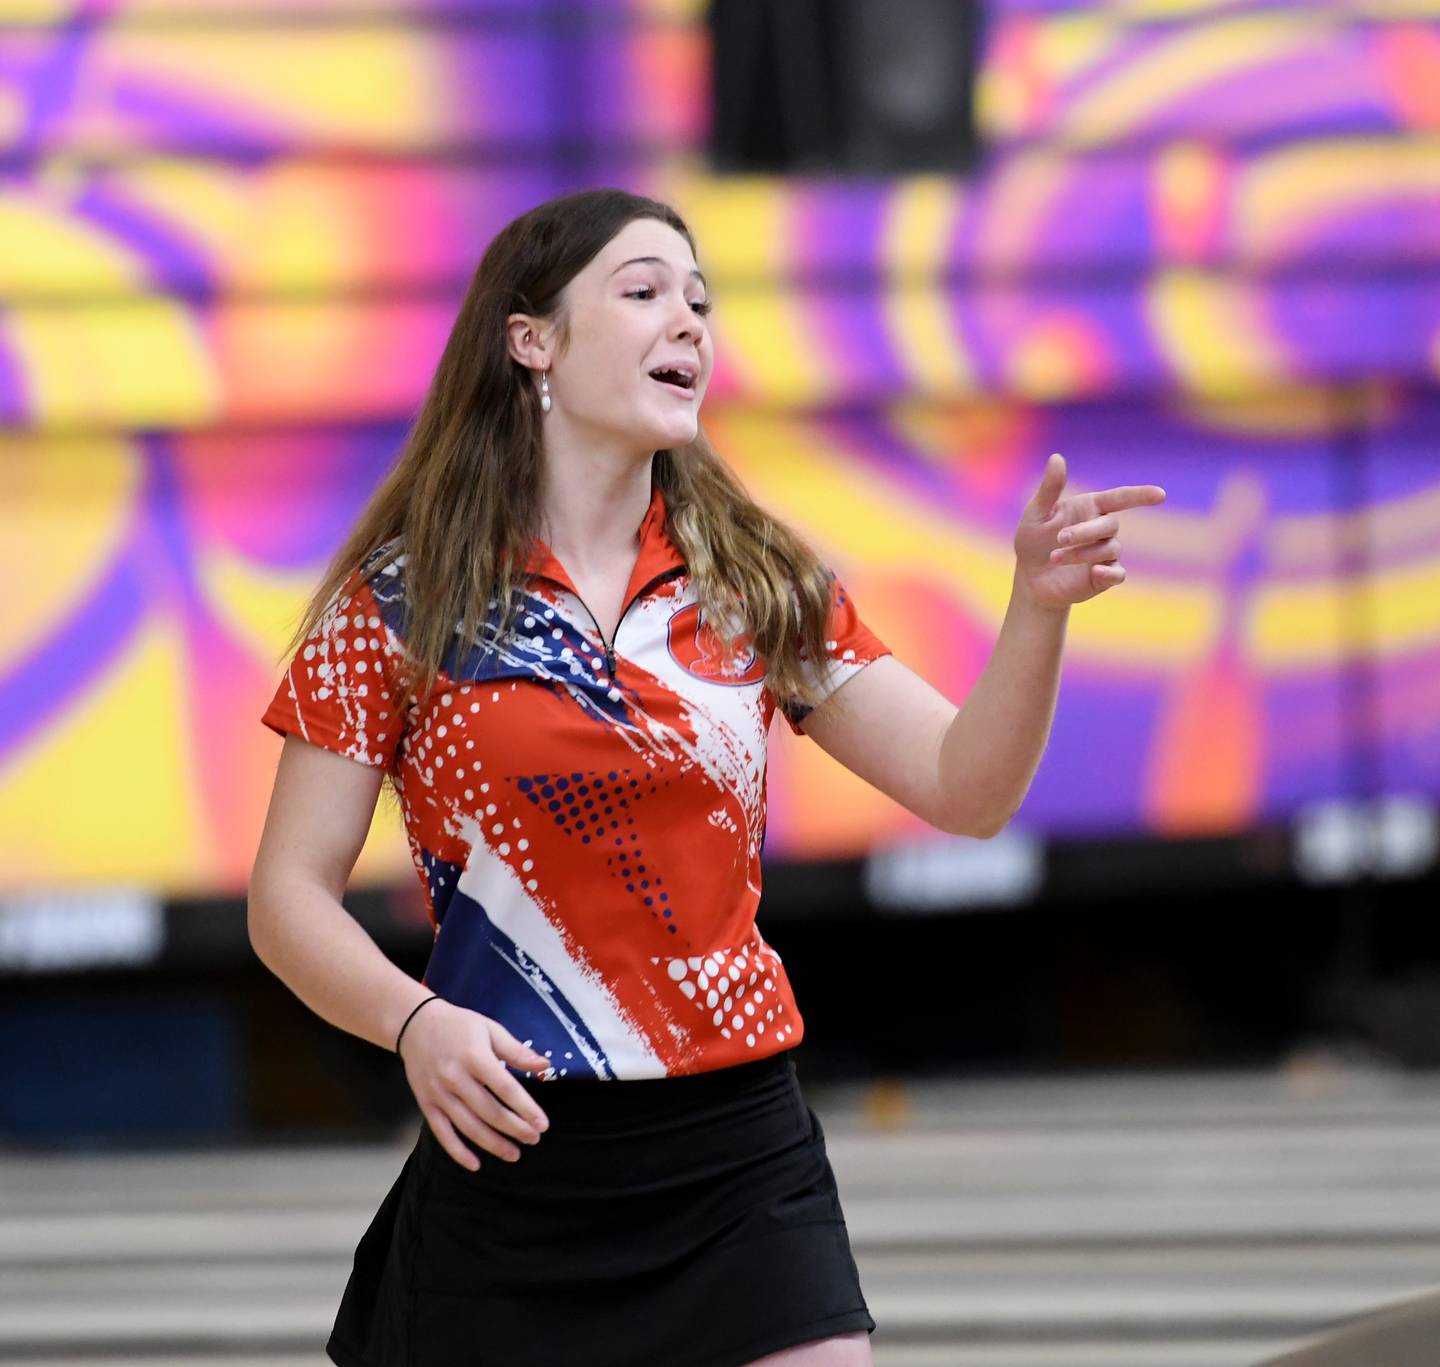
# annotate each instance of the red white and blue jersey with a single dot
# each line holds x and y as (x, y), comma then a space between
(586, 817)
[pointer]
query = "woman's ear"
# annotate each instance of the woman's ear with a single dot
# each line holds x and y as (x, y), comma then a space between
(525, 341)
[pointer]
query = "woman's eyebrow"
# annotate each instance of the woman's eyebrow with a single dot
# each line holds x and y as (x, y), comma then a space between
(654, 261)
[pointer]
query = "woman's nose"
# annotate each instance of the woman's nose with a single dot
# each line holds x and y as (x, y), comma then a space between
(688, 325)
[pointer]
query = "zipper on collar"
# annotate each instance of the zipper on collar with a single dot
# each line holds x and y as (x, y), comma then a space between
(638, 595)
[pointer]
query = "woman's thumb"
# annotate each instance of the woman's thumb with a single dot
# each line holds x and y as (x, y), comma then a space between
(512, 1051)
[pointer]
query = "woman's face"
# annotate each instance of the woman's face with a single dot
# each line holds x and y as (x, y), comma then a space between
(639, 305)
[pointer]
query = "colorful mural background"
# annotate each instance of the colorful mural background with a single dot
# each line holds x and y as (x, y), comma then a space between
(1203, 251)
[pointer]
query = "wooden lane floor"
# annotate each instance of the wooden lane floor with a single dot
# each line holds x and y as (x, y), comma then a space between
(1175, 1221)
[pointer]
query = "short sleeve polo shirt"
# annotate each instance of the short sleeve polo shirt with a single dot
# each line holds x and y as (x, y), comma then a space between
(585, 817)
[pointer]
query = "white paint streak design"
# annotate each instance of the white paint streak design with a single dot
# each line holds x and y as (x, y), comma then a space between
(489, 880)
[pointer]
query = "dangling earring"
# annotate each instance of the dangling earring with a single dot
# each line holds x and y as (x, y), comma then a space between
(544, 392)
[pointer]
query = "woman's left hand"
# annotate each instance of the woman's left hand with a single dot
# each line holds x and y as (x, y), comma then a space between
(1068, 549)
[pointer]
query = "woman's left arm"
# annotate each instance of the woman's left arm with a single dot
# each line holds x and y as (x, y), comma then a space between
(967, 769)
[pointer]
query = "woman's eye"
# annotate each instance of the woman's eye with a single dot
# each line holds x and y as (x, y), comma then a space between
(701, 306)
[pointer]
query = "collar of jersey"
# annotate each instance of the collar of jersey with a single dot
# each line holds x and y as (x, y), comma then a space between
(658, 556)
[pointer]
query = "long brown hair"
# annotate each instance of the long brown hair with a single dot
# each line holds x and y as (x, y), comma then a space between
(462, 500)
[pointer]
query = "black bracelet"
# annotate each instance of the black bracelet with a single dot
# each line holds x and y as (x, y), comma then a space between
(409, 1018)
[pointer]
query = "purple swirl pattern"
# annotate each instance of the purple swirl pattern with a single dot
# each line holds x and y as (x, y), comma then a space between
(1201, 251)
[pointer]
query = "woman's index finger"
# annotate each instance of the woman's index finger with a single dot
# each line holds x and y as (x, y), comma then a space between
(512, 1094)
(1128, 496)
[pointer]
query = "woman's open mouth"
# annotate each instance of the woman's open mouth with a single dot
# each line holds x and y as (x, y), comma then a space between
(679, 382)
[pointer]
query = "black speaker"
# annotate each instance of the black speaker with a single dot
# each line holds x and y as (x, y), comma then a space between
(867, 86)
(906, 78)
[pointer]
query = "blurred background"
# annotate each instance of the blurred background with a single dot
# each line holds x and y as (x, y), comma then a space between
(1147, 1079)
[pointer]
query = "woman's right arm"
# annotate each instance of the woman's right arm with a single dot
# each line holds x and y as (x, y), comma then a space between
(320, 813)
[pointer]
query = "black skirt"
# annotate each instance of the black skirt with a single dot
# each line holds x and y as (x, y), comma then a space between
(676, 1222)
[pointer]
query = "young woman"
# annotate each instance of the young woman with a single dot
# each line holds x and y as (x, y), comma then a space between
(559, 632)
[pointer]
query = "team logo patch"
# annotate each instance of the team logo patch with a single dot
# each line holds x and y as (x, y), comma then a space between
(696, 647)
